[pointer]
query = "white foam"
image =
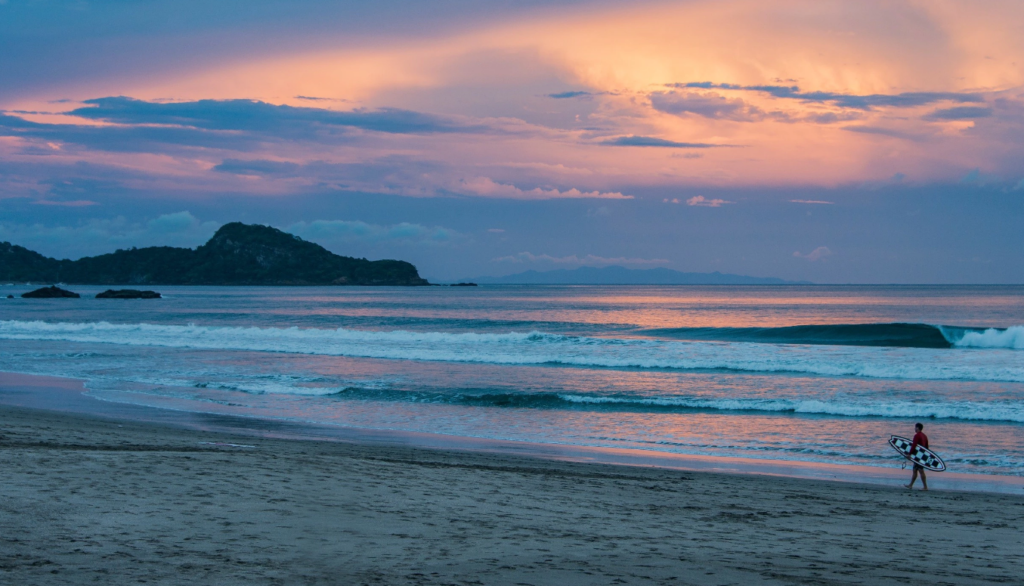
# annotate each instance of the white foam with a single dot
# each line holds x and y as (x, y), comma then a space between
(536, 348)
(1011, 338)
(256, 384)
(964, 410)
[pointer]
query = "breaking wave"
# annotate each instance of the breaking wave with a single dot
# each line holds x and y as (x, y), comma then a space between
(897, 335)
(537, 348)
(962, 410)
(1012, 338)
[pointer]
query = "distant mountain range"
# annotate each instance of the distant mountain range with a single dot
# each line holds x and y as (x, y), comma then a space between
(616, 275)
(238, 254)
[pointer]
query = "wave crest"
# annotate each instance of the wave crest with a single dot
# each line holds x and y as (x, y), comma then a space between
(537, 348)
(963, 410)
(896, 335)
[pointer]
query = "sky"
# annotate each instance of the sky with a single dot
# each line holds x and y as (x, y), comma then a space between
(835, 142)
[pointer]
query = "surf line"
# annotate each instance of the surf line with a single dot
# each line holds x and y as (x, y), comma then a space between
(225, 444)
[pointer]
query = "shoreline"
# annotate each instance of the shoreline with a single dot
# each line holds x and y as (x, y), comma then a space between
(88, 498)
(71, 395)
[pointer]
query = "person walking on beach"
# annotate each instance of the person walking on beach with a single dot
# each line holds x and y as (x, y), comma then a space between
(920, 439)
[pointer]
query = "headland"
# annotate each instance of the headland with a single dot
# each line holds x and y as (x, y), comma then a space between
(238, 254)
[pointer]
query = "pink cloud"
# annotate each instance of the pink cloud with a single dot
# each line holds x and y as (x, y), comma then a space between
(700, 200)
(817, 254)
(486, 187)
(641, 71)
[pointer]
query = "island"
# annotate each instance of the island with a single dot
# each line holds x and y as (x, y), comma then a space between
(51, 292)
(127, 294)
(238, 254)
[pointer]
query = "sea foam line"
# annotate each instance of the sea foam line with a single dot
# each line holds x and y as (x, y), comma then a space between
(380, 390)
(536, 348)
(962, 410)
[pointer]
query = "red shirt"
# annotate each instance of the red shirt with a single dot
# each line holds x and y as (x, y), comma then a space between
(920, 439)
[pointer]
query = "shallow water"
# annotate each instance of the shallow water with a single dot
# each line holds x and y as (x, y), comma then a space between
(754, 372)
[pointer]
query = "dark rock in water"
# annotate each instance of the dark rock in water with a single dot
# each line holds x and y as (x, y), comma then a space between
(51, 292)
(10, 296)
(127, 294)
(463, 284)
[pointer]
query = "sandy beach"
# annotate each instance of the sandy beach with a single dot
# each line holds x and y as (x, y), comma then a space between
(92, 500)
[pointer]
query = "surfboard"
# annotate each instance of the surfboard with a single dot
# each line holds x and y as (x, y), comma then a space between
(921, 456)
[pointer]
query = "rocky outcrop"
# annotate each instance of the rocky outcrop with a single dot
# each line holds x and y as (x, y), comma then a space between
(51, 292)
(127, 294)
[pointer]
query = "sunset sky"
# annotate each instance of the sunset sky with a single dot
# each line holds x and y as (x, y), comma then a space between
(836, 142)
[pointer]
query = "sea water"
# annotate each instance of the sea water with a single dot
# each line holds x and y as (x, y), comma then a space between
(807, 373)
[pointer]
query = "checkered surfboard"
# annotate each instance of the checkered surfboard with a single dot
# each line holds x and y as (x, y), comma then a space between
(922, 455)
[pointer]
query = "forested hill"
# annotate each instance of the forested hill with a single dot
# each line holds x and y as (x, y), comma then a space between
(238, 254)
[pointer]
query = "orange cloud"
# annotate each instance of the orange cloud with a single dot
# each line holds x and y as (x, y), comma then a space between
(616, 70)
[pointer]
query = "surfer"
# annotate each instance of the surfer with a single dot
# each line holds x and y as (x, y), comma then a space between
(920, 439)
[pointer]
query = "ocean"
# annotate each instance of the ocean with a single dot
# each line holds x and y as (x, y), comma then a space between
(814, 374)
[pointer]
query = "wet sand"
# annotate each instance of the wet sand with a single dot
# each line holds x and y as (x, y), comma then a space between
(91, 500)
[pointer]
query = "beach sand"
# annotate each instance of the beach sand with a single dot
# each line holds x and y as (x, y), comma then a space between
(88, 500)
